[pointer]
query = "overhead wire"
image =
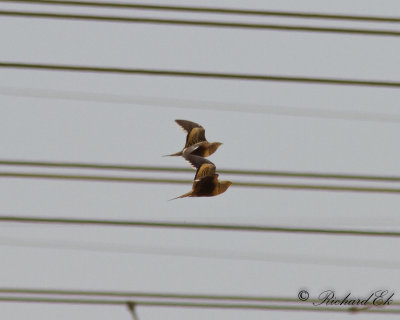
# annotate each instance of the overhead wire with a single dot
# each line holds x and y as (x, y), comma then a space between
(185, 252)
(164, 296)
(287, 186)
(198, 74)
(147, 168)
(202, 23)
(213, 10)
(203, 305)
(165, 102)
(195, 226)
(159, 295)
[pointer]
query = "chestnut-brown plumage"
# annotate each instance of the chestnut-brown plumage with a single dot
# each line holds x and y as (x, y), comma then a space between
(195, 134)
(206, 183)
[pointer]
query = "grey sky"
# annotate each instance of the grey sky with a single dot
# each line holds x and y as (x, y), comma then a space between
(84, 131)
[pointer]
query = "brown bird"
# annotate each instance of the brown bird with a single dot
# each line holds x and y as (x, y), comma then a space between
(206, 183)
(196, 135)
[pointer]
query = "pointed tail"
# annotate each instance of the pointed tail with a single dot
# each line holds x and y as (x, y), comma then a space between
(174, 154)
(187, 194)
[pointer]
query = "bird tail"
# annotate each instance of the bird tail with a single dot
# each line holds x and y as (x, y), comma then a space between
(187, 194)
(174, 154)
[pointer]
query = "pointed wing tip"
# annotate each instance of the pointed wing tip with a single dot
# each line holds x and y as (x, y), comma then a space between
(191, 164)
(187, 125)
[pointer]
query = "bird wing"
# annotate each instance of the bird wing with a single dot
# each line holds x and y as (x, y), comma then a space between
(206, 170)
(195, 132)
(195, 136)
(204, 167)
(191, 149)
(187, 126)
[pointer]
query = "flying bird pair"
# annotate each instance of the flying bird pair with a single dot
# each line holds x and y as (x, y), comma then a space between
(205, 182)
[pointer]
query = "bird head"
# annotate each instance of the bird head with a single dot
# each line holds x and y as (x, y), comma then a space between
(223, 186)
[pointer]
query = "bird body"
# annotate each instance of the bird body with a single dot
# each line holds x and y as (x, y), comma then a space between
(206, 183)
(196, 136)
(204, 149)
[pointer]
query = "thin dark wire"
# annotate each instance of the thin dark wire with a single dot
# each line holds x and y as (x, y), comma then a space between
(198, 226)
(234, 306)
(194, 74)
(247, 12)
(199, 23)
(288, 186)
(196, 253)
(202, 105)
(281, 174)
(157, 295)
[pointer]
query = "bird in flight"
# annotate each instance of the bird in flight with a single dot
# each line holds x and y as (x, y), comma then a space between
(196, 136)
(206, 183)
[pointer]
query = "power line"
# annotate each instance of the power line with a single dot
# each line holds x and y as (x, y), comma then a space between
(195, 74)
(185, 252)
(247, 12)
(203, 105)
(63, 300)
(92, 178)
(281, 174)
(287, 186)
(202, 23)
(158, 295)
(197, 226)
(233, 306)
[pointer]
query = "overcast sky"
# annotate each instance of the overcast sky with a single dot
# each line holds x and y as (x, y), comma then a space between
(134, 124)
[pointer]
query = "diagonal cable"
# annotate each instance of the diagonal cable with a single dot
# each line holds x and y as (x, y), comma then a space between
(214, 10)
(198, 74)
(196, 226)
(202, 23)
(287, 186)
(146, 168)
